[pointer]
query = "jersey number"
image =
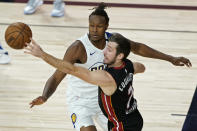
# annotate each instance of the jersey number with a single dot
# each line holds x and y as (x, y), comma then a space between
(101, 67)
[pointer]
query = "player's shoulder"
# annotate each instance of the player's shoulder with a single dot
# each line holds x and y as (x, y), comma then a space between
(128, 61)
(75, 52)
(129, 64)
(76, 45)
(76, 49)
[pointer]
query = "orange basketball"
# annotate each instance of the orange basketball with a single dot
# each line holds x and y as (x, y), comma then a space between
(17, 34)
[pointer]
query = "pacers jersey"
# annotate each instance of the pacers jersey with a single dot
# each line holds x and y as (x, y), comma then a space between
(95, 57)
(120, 104)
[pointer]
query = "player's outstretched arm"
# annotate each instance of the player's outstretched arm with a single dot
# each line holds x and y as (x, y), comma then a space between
(101, 78)
(146, 51)
(35, 50)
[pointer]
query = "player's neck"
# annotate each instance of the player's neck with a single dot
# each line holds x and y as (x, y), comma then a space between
(117, 64)
(100, 44)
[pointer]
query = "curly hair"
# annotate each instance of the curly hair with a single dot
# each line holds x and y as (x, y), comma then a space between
(100, 10)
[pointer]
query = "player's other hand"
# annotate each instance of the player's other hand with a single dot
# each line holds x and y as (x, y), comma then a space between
(181, 61)
(38, 101)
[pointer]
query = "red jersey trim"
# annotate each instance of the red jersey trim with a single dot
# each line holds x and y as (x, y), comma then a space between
(107, 104)
(122, 66)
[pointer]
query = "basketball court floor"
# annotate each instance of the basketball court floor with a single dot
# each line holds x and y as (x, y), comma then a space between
(164, 92)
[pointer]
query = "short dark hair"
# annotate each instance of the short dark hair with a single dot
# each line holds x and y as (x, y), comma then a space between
(100, 10)
(123, 44)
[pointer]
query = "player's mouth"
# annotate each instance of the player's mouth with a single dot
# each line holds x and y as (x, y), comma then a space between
(95, 36)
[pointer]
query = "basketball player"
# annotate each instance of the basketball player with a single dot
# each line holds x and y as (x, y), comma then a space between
(87, 52)
(116, 97)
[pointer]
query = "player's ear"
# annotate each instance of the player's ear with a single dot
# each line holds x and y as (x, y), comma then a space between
(120, 56)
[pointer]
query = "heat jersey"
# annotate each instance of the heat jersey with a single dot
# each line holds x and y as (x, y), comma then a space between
(95, 57)
(120, 104)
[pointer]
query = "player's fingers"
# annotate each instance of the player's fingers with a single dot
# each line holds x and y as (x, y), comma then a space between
(31, 46)
(32, 105)
(28, 52)
(33, 41)
(190, 64)
(28, 45)
(32, 102)
(28, 48)
(186, 62)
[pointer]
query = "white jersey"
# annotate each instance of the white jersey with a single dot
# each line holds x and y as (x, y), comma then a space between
(95, 57)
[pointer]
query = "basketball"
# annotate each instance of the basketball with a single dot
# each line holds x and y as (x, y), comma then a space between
(17, 34)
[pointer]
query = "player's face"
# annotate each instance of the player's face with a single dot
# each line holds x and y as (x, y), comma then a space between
(97, 27)
(110, 53)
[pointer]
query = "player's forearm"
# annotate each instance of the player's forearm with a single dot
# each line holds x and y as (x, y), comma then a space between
(67, 67)
(146, 51)
(61, 65)
(49, 88)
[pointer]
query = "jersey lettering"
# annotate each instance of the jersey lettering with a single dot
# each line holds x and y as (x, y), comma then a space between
(125, 82)
(101, 67)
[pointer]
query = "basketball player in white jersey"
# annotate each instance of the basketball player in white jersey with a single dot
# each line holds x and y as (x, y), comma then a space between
(83, 102)
(82, 98)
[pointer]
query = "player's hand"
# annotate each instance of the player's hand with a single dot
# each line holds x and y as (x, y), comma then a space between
(38, 101)
(181, 61)
(33, 48)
